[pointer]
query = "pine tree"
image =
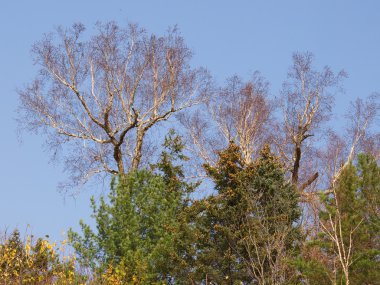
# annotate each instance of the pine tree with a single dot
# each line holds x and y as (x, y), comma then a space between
(349, 242)
(237, 227)
(138, 226)
(270, 235)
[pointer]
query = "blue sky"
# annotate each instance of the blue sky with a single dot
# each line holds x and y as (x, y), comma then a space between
(228, 37)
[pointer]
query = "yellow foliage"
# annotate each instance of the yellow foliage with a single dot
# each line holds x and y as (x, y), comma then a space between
(35, 262)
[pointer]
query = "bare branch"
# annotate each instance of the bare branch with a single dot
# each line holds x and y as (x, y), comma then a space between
(307, 103)
(108, 92)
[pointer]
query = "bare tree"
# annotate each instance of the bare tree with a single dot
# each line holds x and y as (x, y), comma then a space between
(101, 95)
(361, 135)
(307, 103)
(240, 112)
(362, 115)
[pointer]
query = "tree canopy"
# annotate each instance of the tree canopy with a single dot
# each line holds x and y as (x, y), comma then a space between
(247, 187)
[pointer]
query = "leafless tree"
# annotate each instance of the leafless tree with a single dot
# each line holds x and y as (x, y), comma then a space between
(101, 95)
(240, 112)
(361, 135)
(307, 103)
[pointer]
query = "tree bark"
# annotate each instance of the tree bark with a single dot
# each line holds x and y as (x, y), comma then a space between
(138, 149)
(296, 165)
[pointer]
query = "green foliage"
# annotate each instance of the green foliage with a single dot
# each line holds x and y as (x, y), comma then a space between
(366, 205)
(313, 271)
(213, 221)
(252, 205)
(352, 213)
(138, 227)
(148, 231)
(270, 236)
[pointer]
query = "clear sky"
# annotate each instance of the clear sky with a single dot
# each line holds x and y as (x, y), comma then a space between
(228, 37)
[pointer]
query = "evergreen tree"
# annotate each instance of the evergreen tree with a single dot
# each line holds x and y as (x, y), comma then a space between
(238, 227)
(270, 235)
(215, 217)
(138, 227)
(350, 225)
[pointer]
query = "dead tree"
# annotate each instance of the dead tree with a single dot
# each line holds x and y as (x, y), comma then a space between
(101, 95)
